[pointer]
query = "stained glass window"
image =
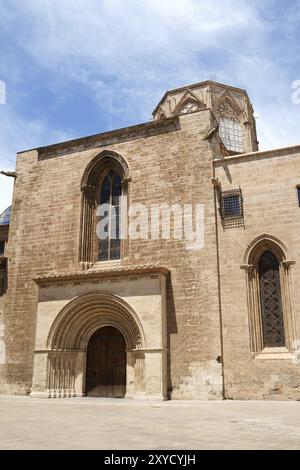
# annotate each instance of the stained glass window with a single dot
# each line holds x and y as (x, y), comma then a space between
(111, 190)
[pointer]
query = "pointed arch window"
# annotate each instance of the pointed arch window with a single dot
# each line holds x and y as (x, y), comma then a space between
(269, 297)
(271, 300)
(111, 191)
(105, 180)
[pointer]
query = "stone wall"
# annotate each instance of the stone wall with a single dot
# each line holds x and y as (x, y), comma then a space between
(170, 162)
(268, 182)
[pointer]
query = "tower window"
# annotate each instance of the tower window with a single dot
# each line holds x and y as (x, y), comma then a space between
(230, 132)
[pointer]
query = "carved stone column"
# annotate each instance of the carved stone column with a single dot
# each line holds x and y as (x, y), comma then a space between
(87, 226)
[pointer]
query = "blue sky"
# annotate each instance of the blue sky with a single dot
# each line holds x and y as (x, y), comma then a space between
(79, 67)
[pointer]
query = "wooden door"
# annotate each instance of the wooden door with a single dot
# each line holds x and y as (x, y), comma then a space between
(106, 364)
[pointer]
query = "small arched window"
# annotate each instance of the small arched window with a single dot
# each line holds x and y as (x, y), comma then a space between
(271, 301)
(231, 134)
(111, 191)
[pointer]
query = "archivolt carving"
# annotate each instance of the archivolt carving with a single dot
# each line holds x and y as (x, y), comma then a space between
(262, 243)
(84, 315)
(106, 158)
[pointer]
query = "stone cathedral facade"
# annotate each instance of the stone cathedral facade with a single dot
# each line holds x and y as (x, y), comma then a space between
(145, 317)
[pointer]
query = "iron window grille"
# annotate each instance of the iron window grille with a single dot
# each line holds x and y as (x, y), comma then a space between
(232, 208)
(270, 300)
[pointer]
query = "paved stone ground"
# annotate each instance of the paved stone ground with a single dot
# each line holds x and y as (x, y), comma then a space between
(95, 423)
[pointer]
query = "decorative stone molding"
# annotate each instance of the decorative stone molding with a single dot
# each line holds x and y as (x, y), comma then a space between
(64, 359)
(254, 251)
(225, 109)
(86, 314)
(105, 139)
(89, 186)
(249, 269)
(189, 103)
(106, 158)
(95, 274)
(287, 263)
(161, 114)
(226, 106)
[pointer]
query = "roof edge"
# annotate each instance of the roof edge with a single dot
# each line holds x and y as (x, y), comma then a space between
(277, 151)
(122, 130)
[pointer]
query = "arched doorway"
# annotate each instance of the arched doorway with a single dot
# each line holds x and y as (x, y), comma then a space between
(106, 364)
(70, 341)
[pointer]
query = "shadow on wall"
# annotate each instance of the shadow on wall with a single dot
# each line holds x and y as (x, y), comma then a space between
(172, 329)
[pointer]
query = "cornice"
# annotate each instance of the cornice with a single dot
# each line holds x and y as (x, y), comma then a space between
(276, 152)
(94, 274)
(138, 131)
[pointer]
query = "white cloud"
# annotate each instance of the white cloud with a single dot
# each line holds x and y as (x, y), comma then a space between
(146, 46)
(107, 31)
(19, 134)
(128, 53)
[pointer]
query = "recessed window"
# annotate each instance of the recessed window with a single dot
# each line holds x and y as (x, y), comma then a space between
(269, 287)
(3, 277)
(111, 191)
(2, 248)
(105, 181)
(298, 194)
(270, 300)
(230, 132)
(231, 208)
